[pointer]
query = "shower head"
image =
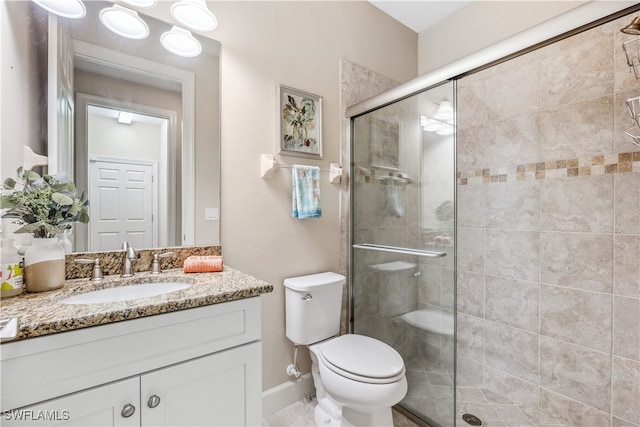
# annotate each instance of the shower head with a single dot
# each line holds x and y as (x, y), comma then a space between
(633, 28)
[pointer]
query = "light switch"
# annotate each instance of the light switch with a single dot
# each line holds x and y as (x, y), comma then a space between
(211, 214)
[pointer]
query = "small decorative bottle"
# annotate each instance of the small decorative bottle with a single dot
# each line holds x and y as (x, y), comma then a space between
(11, 273)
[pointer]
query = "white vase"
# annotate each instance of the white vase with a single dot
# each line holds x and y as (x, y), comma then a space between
(44, 265)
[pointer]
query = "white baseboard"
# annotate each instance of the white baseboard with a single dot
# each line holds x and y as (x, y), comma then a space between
(286, 394)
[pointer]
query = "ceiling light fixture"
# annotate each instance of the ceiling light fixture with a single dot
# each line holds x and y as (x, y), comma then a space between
(141, 3)
(438, 126)
(194, 14)
(125, 117)
(444, 111)
(66, 8)
(180, 42)
(431, 125)
(633, 28)
(124, 22)
(447, 130)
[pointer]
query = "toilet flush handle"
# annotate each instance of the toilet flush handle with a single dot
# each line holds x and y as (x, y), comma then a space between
(307, 297)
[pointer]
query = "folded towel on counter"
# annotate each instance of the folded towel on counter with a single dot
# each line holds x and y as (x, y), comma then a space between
(306, 192)
(203, 264)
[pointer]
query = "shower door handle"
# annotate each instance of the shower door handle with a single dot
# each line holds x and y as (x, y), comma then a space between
(398, 250)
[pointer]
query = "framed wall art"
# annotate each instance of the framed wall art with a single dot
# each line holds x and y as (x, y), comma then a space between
(299, 123)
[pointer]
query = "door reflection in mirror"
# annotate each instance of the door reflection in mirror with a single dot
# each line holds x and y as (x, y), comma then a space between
(128, 171)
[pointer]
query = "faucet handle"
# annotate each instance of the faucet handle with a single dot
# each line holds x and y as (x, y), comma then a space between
(155, 265)
(96, 273)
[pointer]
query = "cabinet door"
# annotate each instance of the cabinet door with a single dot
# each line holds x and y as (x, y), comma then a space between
(100, 406)
(222, 389)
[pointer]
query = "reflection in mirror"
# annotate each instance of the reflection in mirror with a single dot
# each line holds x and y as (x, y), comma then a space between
(128, 155)
(104, 73)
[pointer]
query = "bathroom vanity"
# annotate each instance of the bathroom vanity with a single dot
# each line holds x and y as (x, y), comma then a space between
(190, 357)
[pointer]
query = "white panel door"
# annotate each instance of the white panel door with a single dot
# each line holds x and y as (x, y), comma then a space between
(121, 197)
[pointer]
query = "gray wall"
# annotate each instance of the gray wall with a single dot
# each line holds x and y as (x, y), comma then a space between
(549, 237)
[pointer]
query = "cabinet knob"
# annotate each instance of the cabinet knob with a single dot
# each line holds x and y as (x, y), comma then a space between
(128, 410)
(153, 401)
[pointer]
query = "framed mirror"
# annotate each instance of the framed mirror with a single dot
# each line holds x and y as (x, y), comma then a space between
(174, 99)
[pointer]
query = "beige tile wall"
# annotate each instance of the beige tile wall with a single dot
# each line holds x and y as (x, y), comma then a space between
(549, 237)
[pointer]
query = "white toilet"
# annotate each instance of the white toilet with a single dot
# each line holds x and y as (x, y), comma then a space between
(357, 378)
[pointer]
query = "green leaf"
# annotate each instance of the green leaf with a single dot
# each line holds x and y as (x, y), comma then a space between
(65, 186)
(62, 199)
(83, 217)
(7, 202)
(10, 183)
(31, 176)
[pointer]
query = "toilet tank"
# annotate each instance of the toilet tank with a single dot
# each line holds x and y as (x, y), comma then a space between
(313, 306)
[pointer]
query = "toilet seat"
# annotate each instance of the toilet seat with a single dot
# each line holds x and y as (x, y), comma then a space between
(361, 358)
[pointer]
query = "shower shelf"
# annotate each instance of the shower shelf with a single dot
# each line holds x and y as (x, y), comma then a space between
(389, 173)
(393, 266)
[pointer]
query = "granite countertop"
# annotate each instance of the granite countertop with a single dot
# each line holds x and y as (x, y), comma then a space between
(42, 314)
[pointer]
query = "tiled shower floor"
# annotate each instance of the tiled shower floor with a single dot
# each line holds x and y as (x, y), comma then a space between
(494, 411)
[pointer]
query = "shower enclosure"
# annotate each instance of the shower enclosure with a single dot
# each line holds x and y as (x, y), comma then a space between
(403, 242)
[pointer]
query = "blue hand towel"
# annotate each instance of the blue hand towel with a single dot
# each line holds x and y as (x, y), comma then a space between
(306, 192)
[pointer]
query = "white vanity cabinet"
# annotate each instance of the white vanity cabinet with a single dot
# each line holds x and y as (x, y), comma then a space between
(99, 406)
(195, 367)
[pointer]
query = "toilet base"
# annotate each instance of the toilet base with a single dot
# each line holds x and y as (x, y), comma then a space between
(354, 418)
(322, 417)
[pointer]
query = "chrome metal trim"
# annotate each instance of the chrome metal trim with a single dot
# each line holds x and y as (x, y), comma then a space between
(399, 250)
(582, 15)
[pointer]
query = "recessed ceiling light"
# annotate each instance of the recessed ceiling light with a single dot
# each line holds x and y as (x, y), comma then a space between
(141, 3)
(124, 22)
(125, 117)
(194, 14)
(65, 8)
(180, 42)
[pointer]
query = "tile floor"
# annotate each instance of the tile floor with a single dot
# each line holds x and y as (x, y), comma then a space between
(300, 414)
(492, 409)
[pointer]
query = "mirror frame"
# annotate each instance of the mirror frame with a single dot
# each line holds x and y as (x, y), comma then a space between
(186, 79)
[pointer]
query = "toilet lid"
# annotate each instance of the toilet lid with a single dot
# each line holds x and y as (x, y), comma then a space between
(363, 357)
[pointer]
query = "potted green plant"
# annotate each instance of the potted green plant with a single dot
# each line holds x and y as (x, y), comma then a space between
(45, 206)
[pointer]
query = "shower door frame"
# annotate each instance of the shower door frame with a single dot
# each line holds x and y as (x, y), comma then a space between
(575, 21)
(402, 250)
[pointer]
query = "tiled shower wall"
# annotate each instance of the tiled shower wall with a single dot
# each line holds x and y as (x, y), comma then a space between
(549, 237)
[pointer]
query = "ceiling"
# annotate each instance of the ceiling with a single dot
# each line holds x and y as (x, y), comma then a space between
(418, 15)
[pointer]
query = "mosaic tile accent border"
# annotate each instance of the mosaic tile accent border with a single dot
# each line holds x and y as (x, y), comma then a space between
(594, 165)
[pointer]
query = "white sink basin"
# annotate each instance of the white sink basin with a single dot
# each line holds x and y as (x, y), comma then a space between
(125, 293)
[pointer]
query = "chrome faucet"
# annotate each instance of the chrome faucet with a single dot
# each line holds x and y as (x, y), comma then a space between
(130, 257)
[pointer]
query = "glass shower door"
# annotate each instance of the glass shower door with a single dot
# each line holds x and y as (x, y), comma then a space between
(403, 256)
